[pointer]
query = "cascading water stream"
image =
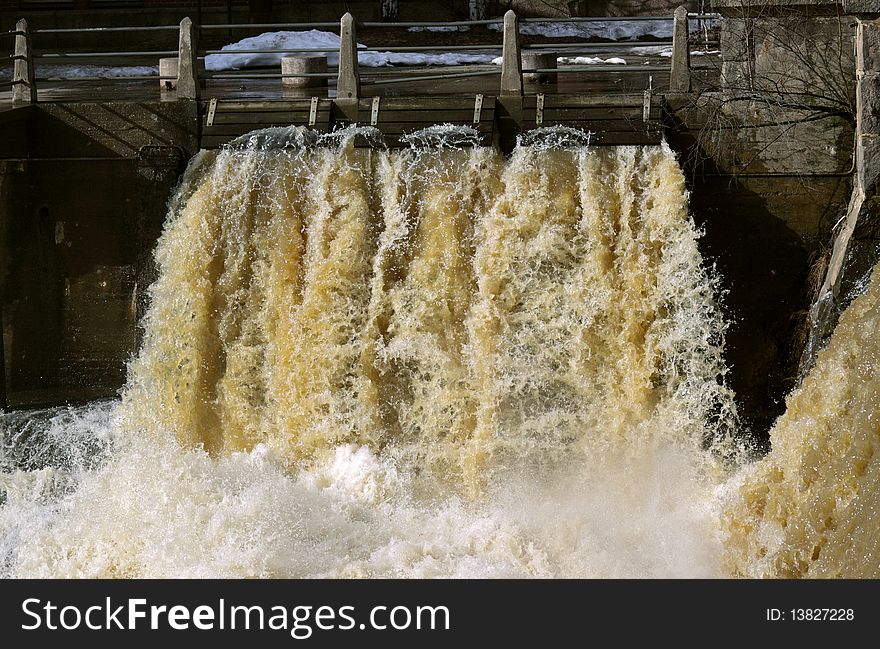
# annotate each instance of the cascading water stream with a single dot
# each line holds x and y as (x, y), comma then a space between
(434, 361)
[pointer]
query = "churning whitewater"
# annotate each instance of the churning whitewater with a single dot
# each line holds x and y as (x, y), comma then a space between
(429, 362)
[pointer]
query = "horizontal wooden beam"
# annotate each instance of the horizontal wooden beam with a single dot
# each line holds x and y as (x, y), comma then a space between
(612, 118)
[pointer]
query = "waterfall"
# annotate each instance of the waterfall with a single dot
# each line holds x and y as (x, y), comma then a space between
(440, 361)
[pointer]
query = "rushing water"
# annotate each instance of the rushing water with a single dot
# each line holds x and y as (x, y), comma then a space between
(432, 362)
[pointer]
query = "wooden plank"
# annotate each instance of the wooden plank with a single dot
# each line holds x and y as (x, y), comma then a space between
(238, 129)
(426, 103)
(587, 100)
(398, 127)
(264, 117)
(594, 125)
(624, 138)
(612, 113)
(285, 105)
(425, 116)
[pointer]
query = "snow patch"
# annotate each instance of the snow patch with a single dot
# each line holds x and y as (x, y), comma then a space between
(579, 60)
(301, 42)
(667, 54)
(590, 60)
(439, 28)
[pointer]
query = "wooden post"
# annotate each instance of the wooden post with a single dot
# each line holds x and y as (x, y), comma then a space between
(348, 83)
(24, 89)
(187, 62)
(511, 65)
(680, 72)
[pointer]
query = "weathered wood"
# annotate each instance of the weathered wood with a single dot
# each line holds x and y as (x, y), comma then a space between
(282, 105)
(625, 138)
(511, 64)
(565, 114)
(397, 128)
(680, 70)
(584, 100)
(590, 124)
(423, 116)
(235, 130)
(423, 103)
(613, 118)
(265, 118)
(24, 89)
(348, 84)
(235, 118)
(187, 62)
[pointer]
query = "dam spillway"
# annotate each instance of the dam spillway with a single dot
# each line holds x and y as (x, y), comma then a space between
(363, 433)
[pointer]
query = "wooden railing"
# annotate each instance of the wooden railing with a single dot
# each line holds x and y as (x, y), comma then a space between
(191, 76)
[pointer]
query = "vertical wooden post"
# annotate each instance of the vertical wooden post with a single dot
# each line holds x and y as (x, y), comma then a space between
(187, 62)
(24, 89)
(348, 83)
(680, 72)
(511, 65)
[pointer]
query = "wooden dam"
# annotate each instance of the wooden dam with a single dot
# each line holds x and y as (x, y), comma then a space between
(87, 165)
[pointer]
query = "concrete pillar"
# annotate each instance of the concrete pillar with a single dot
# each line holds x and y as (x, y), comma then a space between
(680, 72)
(24, 90)
(303, 65)
(168, 68)
(533, 60)
(511, 64)
(188, 63)
(348, 83)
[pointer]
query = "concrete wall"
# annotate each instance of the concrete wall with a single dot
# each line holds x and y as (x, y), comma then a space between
(769, 151)
(767, 194)
(79, 218)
